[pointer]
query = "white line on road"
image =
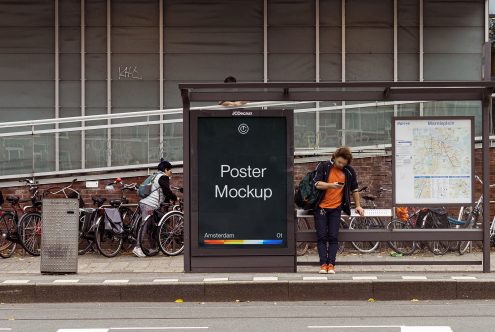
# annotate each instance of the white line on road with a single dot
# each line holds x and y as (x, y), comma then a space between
(82, 330)
(136, 328)
(65, 281)
(463, 278)
(315, 278)
(265, 278)
(365, 278)
(160, 328)
(402, 328)
(15, 281)
(425, 329)
(123, 281)
(414, 277)
(215, 279)
(166, 280)
(354, 327)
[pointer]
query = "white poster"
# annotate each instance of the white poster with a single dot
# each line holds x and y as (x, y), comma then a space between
(433, 161)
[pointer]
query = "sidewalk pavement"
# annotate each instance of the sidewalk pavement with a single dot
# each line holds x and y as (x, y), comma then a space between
(131, 279)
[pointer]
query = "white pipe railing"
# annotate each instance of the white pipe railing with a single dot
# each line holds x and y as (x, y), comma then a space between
(171, 111)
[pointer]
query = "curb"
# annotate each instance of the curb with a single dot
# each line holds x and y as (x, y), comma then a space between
(331, 290)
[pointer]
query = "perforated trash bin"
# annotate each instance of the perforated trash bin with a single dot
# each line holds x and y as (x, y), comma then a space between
(60, 236)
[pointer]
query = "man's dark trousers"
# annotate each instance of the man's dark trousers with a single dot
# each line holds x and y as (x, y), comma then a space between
(327, 224)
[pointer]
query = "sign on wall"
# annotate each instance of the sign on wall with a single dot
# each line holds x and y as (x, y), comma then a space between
(433, 161)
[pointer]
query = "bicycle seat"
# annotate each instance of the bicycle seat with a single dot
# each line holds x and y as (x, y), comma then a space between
(13, 199)
(115, 202)
(363, 189)
(369, 197)
(98, 200)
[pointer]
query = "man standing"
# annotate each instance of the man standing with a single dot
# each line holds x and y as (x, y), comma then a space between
(336, 180)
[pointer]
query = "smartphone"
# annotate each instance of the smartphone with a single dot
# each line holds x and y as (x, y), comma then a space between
(341, 183)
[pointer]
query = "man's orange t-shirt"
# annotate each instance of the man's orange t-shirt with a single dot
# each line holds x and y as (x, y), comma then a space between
(333, 197)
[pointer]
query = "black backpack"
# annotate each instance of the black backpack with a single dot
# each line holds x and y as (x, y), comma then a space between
(306, 195)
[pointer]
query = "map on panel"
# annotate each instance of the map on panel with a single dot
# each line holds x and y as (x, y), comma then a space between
(433, 161)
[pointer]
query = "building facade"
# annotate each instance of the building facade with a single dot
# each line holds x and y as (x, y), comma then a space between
(74, 58)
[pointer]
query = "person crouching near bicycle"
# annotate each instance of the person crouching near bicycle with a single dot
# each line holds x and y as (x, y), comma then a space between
(160, 192)
(337, 180)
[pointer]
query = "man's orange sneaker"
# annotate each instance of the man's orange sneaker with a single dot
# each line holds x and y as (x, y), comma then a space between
(323, 269)
(330, 269)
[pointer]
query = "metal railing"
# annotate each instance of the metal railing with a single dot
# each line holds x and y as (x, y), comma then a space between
(135, 140)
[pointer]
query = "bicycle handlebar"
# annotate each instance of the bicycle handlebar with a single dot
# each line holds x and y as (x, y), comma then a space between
(179, 189)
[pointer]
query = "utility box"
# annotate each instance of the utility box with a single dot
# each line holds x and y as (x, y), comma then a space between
(60, 236)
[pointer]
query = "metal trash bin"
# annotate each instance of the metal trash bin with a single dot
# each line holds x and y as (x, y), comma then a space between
(60, 236)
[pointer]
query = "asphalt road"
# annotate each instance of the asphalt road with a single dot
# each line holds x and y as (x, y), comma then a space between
(428, 316)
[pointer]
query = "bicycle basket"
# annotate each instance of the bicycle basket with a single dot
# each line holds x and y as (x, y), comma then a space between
(89, 220)
(440, 218)
(113, 221)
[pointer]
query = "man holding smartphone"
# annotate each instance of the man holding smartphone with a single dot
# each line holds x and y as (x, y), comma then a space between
(336, 180)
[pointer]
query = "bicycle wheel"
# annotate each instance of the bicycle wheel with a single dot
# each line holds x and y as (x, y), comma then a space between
(107, 242)
(301, 247)
(149, 238)
(439, 248)
(465, 246)
(343, 225)
(129, 239)
(431, 221)
(7, 227)
(84, 246)
(405, 248)
(29, 230)
(84, 243)
(365, 223)
(171, 234)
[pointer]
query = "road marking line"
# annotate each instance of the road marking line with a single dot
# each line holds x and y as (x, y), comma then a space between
(463, 278)
(160, 328)
(365, 278)
(82, 330)
(315, 278)
(65, 281)
(166, 280)
(353, 326)
(15, 281)
(414, 277)
(215, 279)
(265, 278)
(123, 281)
(425, 329)
(402, 328)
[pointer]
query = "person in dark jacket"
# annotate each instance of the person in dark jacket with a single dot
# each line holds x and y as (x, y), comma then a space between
(337, 181)
(160, 192)
(231, 79)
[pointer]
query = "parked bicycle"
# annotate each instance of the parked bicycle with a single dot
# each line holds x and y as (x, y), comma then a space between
(473, 218)
(423, 218)
(165, 229)
(21, 225)
(368, 201)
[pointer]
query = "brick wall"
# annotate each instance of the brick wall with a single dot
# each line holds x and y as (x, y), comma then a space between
(373, 172)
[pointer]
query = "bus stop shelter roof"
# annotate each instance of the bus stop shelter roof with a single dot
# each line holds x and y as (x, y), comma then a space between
(336, 91)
